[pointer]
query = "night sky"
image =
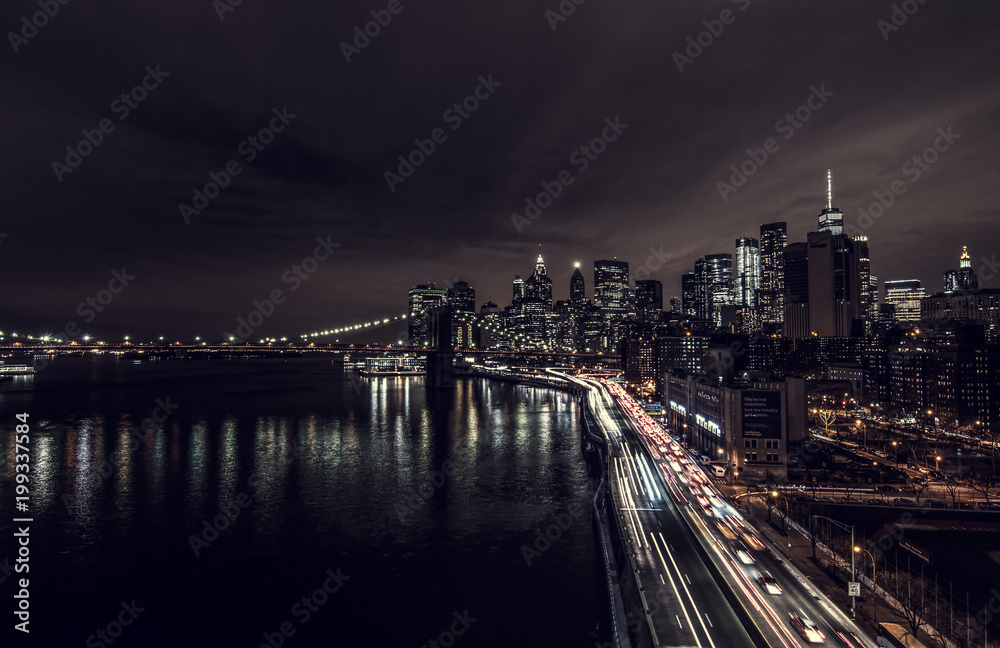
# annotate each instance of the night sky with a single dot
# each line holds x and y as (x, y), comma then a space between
(879, 95)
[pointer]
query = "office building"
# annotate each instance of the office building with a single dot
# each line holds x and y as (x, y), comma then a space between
(773, 241)
(963, 279)
(422, 300)
(831, 219)
(649, 301)
(717, 282)
(614, 298)
(745, 427)
(905, 296)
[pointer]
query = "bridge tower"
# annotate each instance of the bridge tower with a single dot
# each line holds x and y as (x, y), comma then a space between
(441, 360)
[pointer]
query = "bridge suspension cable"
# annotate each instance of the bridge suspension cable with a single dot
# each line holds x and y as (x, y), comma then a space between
(354, 327)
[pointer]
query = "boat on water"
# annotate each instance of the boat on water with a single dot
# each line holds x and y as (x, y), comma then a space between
(15, 369)
(392, 371)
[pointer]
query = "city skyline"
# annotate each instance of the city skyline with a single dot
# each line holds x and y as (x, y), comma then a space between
(241, 90)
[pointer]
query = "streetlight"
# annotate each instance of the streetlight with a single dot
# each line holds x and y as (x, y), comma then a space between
(937, 464)
(846, 527)
(874, 594)
(784, 520)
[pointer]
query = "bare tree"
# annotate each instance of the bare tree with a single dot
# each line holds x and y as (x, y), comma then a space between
(827, 417)
(953, 488)
(918, 489)
(849, 488)
(915, 593)
(981, 482)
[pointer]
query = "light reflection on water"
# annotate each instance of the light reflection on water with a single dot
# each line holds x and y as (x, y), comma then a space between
(326, 467)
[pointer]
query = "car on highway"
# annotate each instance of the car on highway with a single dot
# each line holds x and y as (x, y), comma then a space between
(933, 503)
(768, 584)
(988, 506)
(805, 627)
(963, 505)
(902, 501)
(875, 500)
(745, 557)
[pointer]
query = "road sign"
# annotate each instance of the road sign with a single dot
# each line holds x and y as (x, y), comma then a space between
(854, 588)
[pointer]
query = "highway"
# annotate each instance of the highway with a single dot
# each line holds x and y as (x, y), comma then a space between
(668, 505)
(685, 605)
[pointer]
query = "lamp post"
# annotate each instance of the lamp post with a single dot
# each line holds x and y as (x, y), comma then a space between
(874, 594)
(846, 527)
(784, 520)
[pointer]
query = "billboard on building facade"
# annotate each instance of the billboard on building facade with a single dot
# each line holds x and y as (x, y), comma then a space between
(762, 414)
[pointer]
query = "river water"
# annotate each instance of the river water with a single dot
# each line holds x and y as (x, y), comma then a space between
(286, 503)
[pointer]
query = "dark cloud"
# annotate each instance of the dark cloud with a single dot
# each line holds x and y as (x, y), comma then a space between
(656, 185)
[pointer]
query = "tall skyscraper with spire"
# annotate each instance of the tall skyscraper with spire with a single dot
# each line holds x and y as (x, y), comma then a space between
(538, 285)
(835, 283)
(831, 219)
(964, 278)
(577, 287)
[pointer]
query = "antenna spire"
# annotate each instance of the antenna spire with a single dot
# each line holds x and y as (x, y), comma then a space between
(829, 189)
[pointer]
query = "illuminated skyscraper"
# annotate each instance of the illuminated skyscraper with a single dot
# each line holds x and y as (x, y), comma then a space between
(865, 294)
(611, 287)
(718, 285)
(577, 287)
(963, 279)
(519, 293)
(423, 299)
(831, 219)
(773, 240)
(746, 272)
(905, 296)
(612, 296)
(649, 300)
(539, 286)
(689, 295)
